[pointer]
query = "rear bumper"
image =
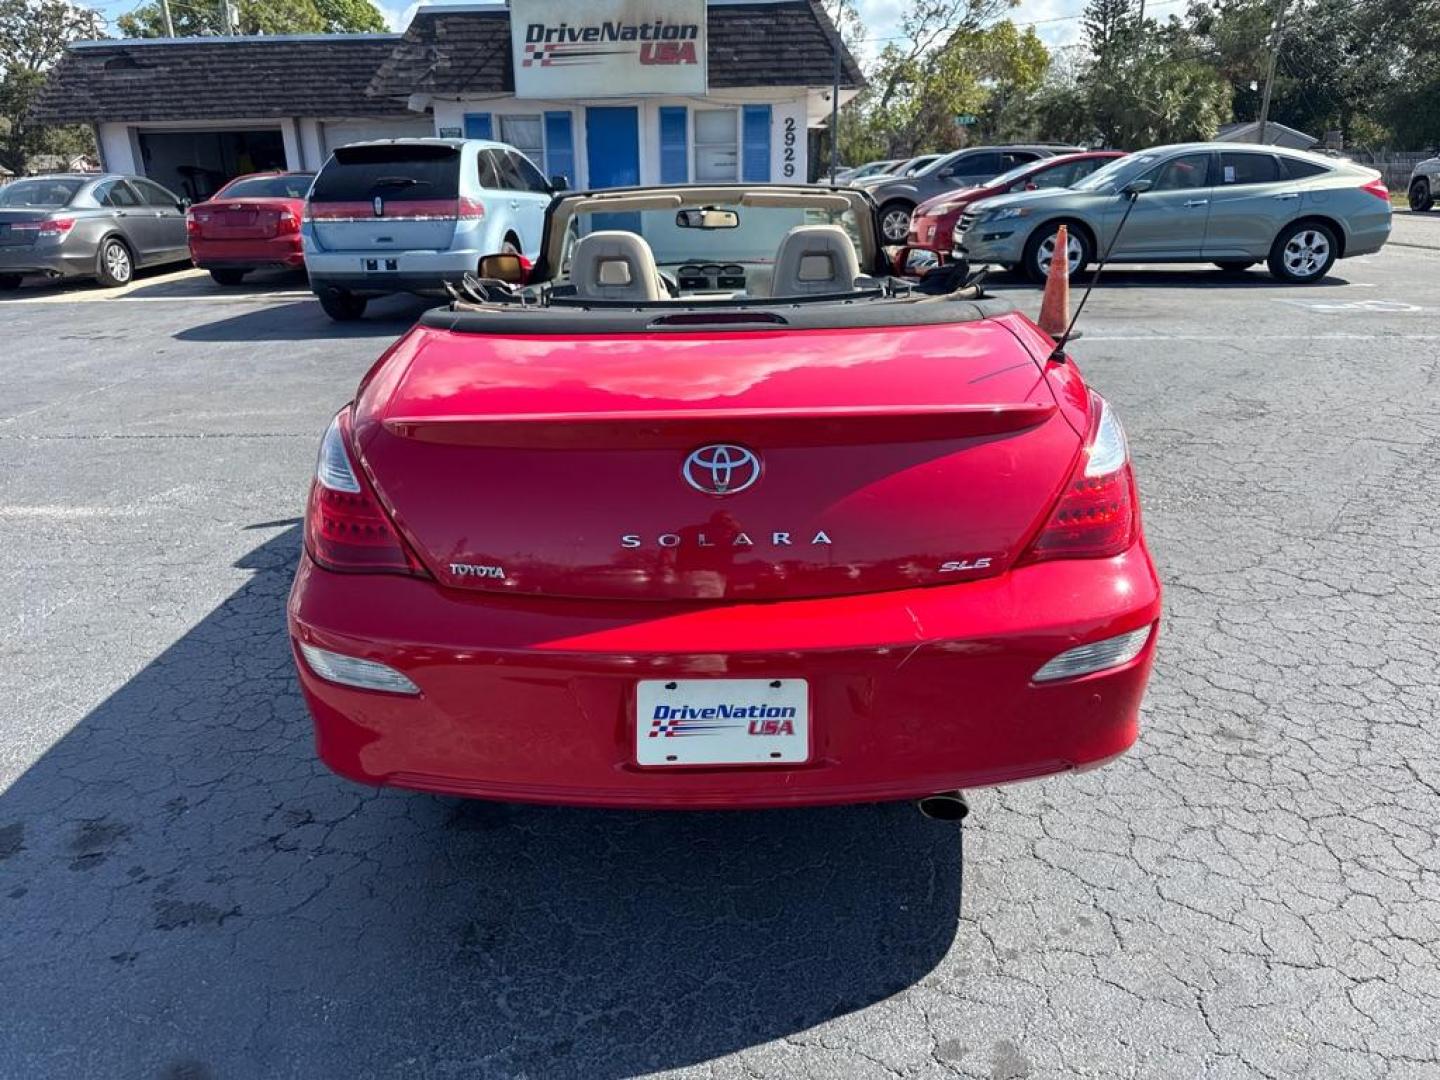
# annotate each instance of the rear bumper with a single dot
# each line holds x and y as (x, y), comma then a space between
(237, 254)
(911, 692)
(413, 271)
(50, 260)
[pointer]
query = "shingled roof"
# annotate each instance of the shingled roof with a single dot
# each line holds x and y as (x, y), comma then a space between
(217, 78)
(449, 53)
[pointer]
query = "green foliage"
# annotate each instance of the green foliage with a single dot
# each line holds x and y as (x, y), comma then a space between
(255, 17)
(33, 34)
(1367, 68)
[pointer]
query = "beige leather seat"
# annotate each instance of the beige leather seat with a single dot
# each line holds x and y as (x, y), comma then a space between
(615, 265)
(815, 259)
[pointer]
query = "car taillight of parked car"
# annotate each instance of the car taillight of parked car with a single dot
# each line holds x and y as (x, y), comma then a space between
(1095, 516)
(287, 222)
(192, 224)
(51, 227)
(346, 528)
(470, 209)
(1377, 188)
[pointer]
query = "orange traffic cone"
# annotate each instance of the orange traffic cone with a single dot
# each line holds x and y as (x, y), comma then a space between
(1055, 306)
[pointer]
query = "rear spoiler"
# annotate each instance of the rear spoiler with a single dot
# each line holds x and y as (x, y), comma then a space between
(685, 428)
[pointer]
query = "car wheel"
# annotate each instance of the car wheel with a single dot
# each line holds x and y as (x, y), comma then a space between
(228, 276)
(9, 282)
(342, 306)
(1235, 266)
(1040, 250)
(115, 265)
(895, 221)
(1421, 197)
(1303, 252)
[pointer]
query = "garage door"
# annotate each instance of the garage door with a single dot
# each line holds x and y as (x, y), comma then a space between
(339, 132)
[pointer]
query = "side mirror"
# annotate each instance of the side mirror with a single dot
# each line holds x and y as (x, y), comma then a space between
(182, 204)
(1137, 187)
(559, 183)
(507, 267)
(914, 262)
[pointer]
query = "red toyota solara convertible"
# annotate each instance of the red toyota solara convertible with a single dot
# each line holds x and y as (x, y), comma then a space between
(703, 510)
(252, 223)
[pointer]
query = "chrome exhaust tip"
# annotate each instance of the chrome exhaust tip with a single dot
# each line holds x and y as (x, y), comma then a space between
(944, 806)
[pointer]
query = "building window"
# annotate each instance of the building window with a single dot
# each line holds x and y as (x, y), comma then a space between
(526, 134)
(717, 146)
(757, 144)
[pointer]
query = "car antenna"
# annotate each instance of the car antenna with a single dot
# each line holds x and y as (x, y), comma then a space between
(1131, 192)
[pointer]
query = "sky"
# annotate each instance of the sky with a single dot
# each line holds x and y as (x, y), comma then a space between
(1056, 21)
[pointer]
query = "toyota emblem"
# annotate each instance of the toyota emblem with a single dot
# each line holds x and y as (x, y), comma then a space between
(721, 469)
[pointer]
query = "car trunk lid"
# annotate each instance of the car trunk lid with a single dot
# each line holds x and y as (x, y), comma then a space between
(704, 465)
(387, 197)
(253, 218)
(18, 227)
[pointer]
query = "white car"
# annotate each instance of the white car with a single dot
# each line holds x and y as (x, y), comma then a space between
(1424, 182)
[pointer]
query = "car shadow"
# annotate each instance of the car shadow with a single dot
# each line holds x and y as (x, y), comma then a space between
(186, 892)
(1200, 278)
(199, 285)
(305, 320)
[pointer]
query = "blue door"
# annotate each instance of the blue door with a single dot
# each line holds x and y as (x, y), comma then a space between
(612, 154)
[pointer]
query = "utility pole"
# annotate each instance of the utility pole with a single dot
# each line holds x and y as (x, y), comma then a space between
(1276, 32)
(165, 15)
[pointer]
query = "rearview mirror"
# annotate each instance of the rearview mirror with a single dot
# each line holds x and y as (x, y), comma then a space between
(559, 183)
(707, 218)
(507, 267)
(1137, 187)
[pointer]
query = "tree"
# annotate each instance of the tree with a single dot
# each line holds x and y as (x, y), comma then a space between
(33, 34)
(256, 17)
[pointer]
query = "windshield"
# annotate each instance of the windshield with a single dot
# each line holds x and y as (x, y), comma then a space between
(752, 242)
(1116, 174)
(391, 170)
(50, 192)
(287, 186)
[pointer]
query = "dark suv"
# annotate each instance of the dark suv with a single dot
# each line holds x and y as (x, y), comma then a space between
(898, 196)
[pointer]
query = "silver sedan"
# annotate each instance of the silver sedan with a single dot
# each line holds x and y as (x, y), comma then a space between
(1230, 204)
(86, 225)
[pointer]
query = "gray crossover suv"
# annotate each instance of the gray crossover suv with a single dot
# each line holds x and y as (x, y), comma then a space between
(897, 196)
(1424, 184)
(1227, 203)
(79, 225)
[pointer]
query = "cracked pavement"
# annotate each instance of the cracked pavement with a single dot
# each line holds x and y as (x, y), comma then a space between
(1254, 891)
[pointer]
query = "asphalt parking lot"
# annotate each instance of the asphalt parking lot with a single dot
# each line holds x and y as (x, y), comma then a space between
(185, 894)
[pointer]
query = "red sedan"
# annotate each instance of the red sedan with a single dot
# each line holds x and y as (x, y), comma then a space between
(618, 537)
(932, 225)
(252, 223)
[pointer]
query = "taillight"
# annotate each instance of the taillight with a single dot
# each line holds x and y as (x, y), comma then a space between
(1095, 516)
(1377, 188)
(49, 227)
(192, 226)
(346, 528)
(470, 210)
(287, 223)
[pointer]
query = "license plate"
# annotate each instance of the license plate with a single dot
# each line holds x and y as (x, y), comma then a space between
(722, 721)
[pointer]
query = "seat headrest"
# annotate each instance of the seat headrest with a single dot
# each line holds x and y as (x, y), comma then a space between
(615, 265)
(815, 259)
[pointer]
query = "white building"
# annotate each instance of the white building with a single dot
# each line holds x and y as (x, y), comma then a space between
(604, 92)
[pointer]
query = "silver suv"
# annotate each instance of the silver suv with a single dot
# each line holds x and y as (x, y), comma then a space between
(408, 215)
